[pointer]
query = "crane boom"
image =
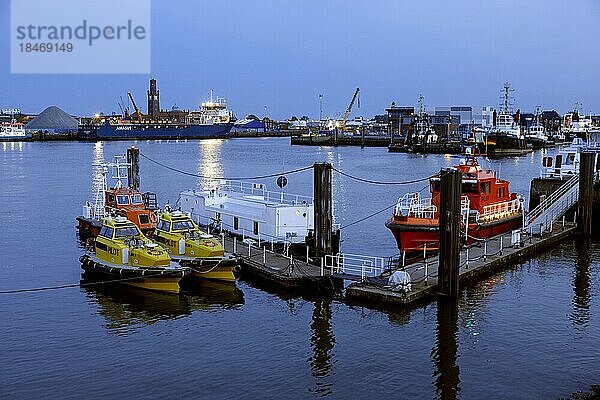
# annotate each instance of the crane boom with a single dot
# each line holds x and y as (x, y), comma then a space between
(349, 109)
(137, 110)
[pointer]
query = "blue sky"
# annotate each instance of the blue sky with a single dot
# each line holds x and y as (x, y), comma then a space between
(283, 54)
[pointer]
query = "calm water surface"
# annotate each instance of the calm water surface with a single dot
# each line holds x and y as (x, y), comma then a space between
(529, 332)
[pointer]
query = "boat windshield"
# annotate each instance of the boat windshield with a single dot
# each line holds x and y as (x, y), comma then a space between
(127, 232)
(183, 225)
(136, 199)
(122, 200)
(570, 160)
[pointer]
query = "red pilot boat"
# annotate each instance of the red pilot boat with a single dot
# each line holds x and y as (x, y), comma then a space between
(124, 201)
(487, 208)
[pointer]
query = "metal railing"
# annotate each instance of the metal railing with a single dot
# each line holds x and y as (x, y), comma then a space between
(355, 264)
(556, 204)
(500, 210)
(412, 205)
(260, 190)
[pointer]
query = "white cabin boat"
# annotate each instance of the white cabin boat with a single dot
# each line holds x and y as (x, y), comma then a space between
(251, 211)
(12, 131)
(566, 163)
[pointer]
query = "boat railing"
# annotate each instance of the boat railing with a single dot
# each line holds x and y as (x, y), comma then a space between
(260, 190)
(501, 210)
(412, 205)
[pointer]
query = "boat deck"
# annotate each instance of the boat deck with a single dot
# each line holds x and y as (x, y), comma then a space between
(478, 261)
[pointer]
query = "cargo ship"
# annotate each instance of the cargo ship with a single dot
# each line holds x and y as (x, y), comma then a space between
(212, 120)
(487, 209)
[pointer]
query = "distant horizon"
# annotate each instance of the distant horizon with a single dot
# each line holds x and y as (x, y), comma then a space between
(283, 55)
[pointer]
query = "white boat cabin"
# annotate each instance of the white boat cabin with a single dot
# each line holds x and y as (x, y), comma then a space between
(250, 210)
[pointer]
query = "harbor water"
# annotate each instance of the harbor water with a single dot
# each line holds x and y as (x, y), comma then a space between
(531, 331)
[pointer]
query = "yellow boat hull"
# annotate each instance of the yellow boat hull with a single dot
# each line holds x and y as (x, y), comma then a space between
(220, 273)
(160, 284)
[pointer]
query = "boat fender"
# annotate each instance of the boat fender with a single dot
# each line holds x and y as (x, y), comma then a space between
(125, 255)
(181, 246)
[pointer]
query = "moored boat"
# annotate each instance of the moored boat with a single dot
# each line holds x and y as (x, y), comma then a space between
(121, 200)
(191, 247)
(124, 255)
(487, 209)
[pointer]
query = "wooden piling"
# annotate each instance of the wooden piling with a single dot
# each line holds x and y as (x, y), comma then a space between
(133, 167)
(323, 209)
(586, 192)
(449, 260)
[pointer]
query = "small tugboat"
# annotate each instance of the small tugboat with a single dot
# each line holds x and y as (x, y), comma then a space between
(487, 207)
(122, 253)
(536, 134)
(126, 201)
(192, 248)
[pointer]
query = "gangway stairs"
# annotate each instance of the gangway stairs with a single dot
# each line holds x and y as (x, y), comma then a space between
(554, 206)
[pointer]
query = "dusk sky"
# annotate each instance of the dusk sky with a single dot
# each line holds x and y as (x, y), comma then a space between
(283, 54)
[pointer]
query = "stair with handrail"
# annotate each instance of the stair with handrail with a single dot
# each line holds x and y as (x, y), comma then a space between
(554, 206)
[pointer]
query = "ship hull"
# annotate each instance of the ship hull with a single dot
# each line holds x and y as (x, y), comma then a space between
(412, 234)
(153, 131)
(502, 145)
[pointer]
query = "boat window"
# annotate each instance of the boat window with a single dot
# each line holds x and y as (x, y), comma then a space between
(127, 232)
(255, 228)
(501, 192)
(236, 223)
(182, 225)
(164, 226)
(570, 159)
(106, 232)
(435, 186)
(136, 199)
(144, 219)
(122, 200)
(469, 187)
(111, 198)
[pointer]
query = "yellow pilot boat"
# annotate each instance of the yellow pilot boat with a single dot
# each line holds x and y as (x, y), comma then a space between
(203, 253)
(123, 254)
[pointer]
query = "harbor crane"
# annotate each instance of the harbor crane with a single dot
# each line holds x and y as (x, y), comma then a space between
(349, 109)
(138, 114)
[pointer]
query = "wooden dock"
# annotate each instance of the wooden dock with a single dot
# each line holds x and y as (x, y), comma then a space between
(476, 261)
(281, 270)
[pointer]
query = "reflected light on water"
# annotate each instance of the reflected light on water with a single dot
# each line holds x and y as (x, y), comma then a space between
(97, 168)
(12, 146)
(210, 162)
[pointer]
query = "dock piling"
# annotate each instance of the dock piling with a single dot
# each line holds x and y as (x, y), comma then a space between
(586, 192)
(323, 219)
(133, 167)
(449, 258)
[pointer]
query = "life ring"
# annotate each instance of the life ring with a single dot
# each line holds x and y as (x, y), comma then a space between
(153, 218)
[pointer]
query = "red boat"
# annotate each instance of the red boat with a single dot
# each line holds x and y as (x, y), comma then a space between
(120, 200)
(487, 208)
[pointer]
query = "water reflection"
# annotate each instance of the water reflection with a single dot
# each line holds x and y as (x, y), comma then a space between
(581, 285)
(322, 341)
(127, 309)
(444, 353)
(210, 162)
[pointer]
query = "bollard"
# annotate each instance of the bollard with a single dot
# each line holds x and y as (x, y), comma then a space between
(425, 251)
(235, 245)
